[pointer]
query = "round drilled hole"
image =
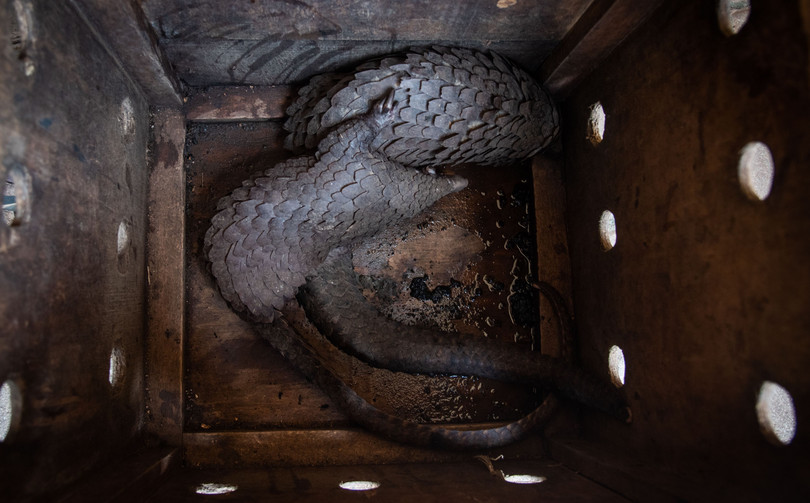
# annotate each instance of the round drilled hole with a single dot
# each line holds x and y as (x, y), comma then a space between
(596, 124)
(607, 230)
(359, 485)
(127, 116)
(524, 479)
(755, 170)
(212, 488)
(117, 367)
(776, 413)
(10, 405)
(616, 366)
(732, 15)
(17, 196)
(123, 237)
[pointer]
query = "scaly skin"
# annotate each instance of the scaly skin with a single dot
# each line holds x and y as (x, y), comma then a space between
(456, 106)
(282, 223)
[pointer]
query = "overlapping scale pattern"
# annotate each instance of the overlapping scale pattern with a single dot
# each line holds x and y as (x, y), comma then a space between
(282, 223)
(455, 106)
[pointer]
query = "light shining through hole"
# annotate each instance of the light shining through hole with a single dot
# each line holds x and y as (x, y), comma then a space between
(359, 485)
(596, 124)
(776, 413)
(524, 479)
(9, 408)
(616, 366)
(755, 170)
(214, 489)
(123, 237)
(732, 15)
(116, 366)
(607, 230)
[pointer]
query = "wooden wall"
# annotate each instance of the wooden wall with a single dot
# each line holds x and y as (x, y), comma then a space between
(72, 275)
(706, 291)
(280, 42)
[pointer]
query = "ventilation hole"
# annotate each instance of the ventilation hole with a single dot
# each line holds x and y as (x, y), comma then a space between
(616, 366)
(210, 488)
(127, 116)
(524, 479)
(732, 15)
(755, 170)
(776, 414)
(10, 405)
(117, 367)
(596, 124)
(505, 4)
(123, 237)
(17, 196)
(607, 230)
(359, 485)
(22, 36)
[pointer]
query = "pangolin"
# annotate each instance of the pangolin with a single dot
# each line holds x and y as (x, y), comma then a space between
(282, 223)
(457, 106)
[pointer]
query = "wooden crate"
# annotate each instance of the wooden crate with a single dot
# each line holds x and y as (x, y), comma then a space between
(129, 378)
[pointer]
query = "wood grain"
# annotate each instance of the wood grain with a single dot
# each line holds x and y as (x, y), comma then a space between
(705, 291)
(600, 29)
(321, 447)
(166, 279)
(238, 103)
(277, 42)
(79, 127)
(123, 27)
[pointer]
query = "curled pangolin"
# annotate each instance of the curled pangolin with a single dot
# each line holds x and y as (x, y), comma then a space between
(298, 219)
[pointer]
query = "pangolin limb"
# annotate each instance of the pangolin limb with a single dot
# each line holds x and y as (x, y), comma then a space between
(390, 426)
(335, 304)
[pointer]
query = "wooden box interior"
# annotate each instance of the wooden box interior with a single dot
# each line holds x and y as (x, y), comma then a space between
(122, 123)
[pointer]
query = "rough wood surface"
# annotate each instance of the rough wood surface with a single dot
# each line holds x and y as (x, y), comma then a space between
(132, 478)
(69, 296)
(322, 447)
(602, 27)
(277, 42)
(166, 278)
(123, 27)
(553, 264)
(705, 291)
(238, 103)
(429, 482)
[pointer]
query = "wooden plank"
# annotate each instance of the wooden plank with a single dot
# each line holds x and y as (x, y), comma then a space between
(238, 103)
(321, 447)
(123, 27)
(280, 43)
(72, 289)
(291, 62)
(553, 264)
(603, 26)
(201, 22)
(470, 480)
(166, 279)
(705, 291)
(633, 479)
(132, 479)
